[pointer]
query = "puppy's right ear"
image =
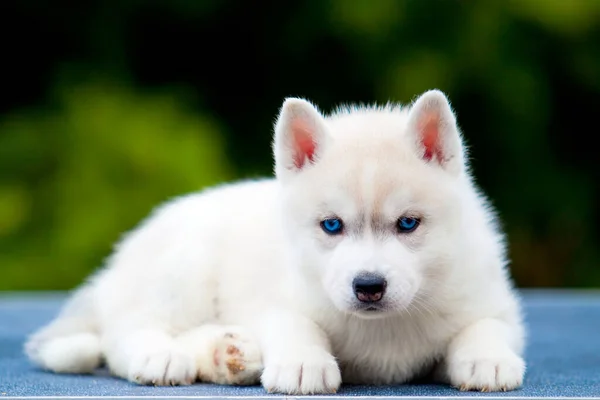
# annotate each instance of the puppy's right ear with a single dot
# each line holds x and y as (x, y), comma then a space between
(300, 134)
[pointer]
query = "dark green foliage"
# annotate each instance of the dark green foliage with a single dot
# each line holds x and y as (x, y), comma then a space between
(111, 107)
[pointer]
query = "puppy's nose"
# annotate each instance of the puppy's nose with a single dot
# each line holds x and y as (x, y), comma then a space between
(369, 287)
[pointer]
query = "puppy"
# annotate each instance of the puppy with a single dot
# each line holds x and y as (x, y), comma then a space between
(370, 258)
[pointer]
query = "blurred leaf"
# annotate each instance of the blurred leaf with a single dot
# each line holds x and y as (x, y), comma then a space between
(117, 154)
(415, 74)
(361, 18)
(14, 209)
(570, 17)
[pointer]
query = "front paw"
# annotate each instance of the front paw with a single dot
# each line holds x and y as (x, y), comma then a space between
(492, 372)
(162, 368)
(305, 372)
(236, 360)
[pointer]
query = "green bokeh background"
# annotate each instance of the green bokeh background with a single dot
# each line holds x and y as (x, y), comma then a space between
(111, 107)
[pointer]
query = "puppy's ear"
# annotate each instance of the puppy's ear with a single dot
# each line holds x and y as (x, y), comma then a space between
(432, 124)
(300, 134)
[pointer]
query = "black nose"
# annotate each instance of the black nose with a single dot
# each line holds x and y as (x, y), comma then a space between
(369, 287)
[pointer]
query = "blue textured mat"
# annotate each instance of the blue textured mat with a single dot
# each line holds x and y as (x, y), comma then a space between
(563, 356)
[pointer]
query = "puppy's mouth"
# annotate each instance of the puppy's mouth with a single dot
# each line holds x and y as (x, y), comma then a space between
(370, 310)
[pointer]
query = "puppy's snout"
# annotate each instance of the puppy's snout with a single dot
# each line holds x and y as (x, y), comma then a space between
(369, 287)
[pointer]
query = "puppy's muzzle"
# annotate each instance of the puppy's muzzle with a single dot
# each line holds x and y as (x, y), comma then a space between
(369, 287)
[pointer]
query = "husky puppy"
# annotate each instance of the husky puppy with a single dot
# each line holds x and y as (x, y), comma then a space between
(370, 258)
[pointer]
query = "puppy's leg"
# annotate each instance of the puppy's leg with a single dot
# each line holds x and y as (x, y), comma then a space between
(485, 357)
(148, 356)
(227, 355)
(297, 356)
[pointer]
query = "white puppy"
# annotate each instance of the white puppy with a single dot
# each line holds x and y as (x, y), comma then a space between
(371, 258)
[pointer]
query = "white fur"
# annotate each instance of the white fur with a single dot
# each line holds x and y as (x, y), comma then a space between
(240, 283)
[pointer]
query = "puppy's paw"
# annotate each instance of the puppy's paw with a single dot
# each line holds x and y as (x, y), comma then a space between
(162, 368)
(312, 371)
(491, 372)
(236, 360)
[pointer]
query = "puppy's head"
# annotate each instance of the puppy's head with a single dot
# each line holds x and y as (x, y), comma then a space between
(370, 199)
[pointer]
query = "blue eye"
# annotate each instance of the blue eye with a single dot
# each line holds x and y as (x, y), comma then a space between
(407, 224)
(332, 226)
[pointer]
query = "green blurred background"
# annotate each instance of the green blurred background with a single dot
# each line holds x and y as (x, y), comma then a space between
(110, 107)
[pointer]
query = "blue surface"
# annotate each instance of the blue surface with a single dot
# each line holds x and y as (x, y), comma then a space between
(563, 356)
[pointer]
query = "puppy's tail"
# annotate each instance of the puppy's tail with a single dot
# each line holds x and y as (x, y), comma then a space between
(70, 343)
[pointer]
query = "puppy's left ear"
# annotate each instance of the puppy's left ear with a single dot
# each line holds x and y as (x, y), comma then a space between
(432, 124)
